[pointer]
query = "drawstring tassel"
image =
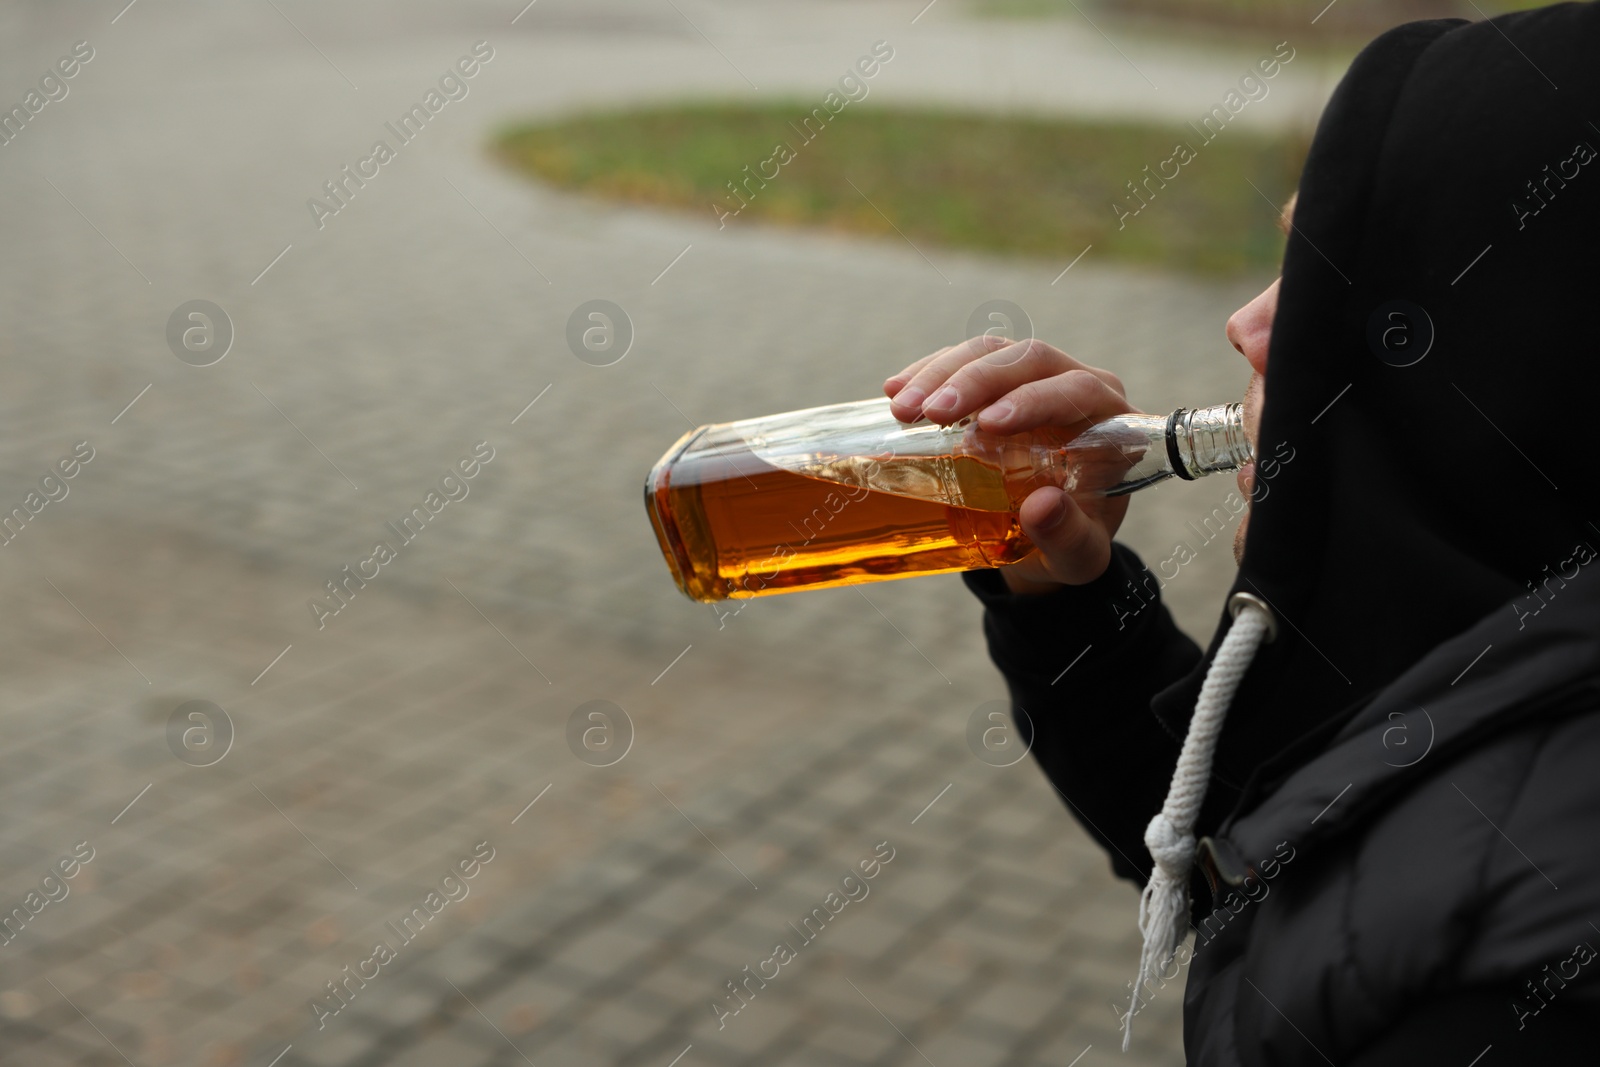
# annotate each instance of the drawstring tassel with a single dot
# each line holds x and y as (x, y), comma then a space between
(1164, 905)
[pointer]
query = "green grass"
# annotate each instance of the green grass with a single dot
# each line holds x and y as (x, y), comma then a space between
(1022, 186)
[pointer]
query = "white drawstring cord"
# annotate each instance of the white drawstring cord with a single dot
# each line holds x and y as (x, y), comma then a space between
(1164, 905)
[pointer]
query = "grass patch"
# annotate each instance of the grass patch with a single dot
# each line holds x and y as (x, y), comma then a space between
(1024, 186)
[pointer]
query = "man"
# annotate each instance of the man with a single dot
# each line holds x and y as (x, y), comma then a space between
(1394, 855)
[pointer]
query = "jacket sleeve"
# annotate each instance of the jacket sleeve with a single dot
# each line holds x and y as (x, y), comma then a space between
(1082, 664)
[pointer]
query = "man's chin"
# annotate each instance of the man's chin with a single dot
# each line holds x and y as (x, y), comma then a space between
(1238, 539)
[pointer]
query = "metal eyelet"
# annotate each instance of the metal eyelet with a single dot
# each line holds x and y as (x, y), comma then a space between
(1236, 604)
(1224, 860)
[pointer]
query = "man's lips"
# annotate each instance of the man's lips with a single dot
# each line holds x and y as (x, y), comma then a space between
(1246, 478)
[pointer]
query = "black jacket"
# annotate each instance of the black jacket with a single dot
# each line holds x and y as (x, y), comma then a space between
(1403, 852)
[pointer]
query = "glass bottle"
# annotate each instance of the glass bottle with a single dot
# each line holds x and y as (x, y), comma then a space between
(847, 493)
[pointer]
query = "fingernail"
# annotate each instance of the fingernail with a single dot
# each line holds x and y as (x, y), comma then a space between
(1053, 520)
(999, 411)
(910, 397)
(944, 398)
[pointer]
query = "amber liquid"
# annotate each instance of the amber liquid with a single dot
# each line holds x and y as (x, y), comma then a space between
(732, 526)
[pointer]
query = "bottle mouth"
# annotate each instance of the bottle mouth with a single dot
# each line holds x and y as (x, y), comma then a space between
(1207, 440)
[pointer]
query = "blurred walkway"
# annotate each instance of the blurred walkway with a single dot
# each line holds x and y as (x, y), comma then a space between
(369, 357)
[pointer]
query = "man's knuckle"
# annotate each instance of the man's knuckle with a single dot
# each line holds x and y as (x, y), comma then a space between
(1027, 395)
(998, 360)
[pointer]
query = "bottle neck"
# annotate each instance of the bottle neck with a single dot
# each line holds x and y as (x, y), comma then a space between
(1206, 440)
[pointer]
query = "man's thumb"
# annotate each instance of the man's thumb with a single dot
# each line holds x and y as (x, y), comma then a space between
(1076, 549)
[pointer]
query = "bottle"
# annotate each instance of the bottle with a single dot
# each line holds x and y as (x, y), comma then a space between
(846, 493)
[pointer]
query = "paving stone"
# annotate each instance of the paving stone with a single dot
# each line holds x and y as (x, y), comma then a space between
(337, 1045)
(853, 1042)
(466, 961)
(630, 1023)
(446, 1048)
(44, 1054)
(1020, 1006)
(810, 1056)
(388, 1006)
(1008, 920)
(677, 901)
(957, 1045)
(573, 1048)
(754, 1028)
(605, 949)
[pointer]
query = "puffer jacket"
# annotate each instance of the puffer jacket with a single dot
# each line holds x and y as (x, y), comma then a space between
(1439, 859)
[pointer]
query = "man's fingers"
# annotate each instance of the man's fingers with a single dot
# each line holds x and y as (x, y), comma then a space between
(1065, 399)
(907, 402)
(987, 379)
(894, 384)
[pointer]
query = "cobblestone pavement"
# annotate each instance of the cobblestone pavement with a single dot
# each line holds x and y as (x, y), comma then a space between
(426, 725)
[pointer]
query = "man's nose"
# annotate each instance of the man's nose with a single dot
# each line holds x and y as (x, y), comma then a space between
(1235, 329)
(1249, 329)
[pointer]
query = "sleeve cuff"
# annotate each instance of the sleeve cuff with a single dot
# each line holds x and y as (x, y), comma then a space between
(1119, 606)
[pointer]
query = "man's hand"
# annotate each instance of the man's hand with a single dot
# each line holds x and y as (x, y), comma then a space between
(1015, 388)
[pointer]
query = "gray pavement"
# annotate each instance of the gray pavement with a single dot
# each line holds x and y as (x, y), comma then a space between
(768, 755)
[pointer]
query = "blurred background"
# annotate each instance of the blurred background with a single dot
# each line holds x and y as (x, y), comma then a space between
(255, 340)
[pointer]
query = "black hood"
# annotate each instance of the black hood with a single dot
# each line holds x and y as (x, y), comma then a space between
(1432, 383)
